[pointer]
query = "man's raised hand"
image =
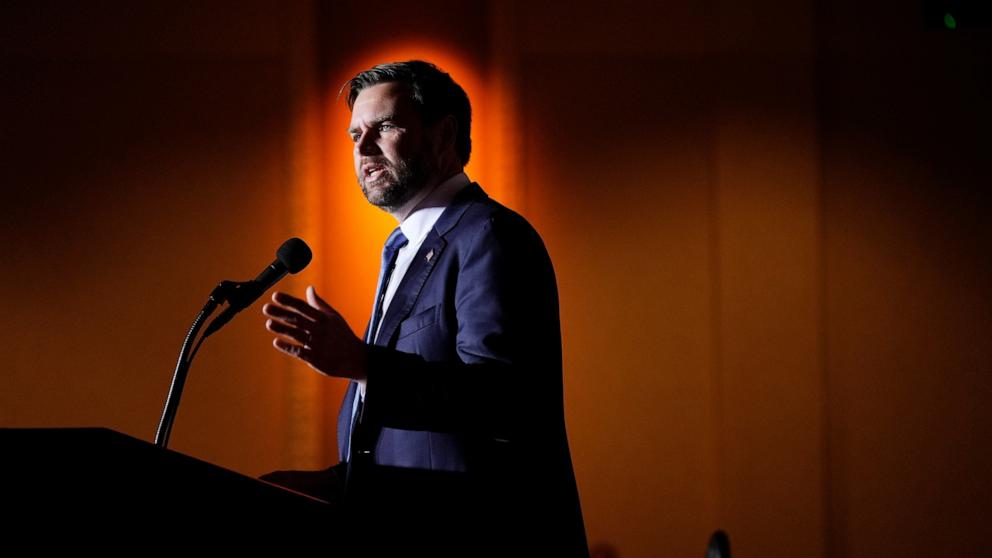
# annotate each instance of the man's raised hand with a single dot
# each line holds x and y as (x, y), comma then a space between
(315, 333)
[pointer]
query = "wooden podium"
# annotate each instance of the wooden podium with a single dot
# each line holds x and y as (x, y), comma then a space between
(94, 488)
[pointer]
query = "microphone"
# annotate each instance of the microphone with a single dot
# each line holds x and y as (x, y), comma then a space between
(292, 257)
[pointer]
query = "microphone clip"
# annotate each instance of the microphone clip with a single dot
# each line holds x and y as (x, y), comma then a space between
(237, 294)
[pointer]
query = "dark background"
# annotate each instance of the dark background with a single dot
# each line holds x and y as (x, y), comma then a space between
(768, 221)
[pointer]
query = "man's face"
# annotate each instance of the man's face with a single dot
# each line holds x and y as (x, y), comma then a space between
(393, 156)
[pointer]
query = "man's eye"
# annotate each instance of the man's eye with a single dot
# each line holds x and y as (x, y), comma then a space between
(355, 137)
(386, 127)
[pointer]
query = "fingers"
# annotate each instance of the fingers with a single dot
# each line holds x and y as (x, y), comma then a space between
(318, 302)
(312, 331)
(284, 315)
(297, 334)
(315, 301)
(303, 353)
(299, 306)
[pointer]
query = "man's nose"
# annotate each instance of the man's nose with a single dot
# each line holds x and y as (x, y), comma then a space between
(366, 145)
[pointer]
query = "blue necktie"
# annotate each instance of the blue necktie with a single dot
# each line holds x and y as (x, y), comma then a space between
(395, 241)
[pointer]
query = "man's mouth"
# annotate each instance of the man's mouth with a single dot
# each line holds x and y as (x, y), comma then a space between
(373, 172)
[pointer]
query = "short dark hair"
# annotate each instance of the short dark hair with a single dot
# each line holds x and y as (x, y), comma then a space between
(433, 91)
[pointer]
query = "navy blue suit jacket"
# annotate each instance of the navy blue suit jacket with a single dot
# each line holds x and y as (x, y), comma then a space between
(466, 375)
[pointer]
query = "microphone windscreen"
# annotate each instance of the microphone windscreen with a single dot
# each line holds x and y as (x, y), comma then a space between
(294, 254)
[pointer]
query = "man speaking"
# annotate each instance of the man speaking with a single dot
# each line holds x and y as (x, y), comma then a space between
(455, 393)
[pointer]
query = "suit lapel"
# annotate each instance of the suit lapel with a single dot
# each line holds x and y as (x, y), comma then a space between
(409, 290)
(420, 268)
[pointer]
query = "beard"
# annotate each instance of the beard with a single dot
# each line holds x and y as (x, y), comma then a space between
(397, 183)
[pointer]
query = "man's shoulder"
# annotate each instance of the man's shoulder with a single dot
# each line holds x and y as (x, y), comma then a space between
(478, 215)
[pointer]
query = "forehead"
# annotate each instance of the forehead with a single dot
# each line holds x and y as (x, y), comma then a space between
(384, 99)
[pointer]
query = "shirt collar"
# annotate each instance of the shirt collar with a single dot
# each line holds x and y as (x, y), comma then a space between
(419, 222)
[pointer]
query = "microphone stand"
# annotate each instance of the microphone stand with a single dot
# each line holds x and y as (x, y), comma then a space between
(221, 293)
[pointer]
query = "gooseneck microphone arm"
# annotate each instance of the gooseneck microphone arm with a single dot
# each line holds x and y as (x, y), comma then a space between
(179, 376)
(292, 257)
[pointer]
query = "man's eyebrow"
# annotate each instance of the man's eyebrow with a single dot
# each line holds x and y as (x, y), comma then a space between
(374, 122)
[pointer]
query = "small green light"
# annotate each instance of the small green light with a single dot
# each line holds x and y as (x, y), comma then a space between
(949, 21)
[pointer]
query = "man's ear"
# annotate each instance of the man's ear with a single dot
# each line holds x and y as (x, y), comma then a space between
(448, 133)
